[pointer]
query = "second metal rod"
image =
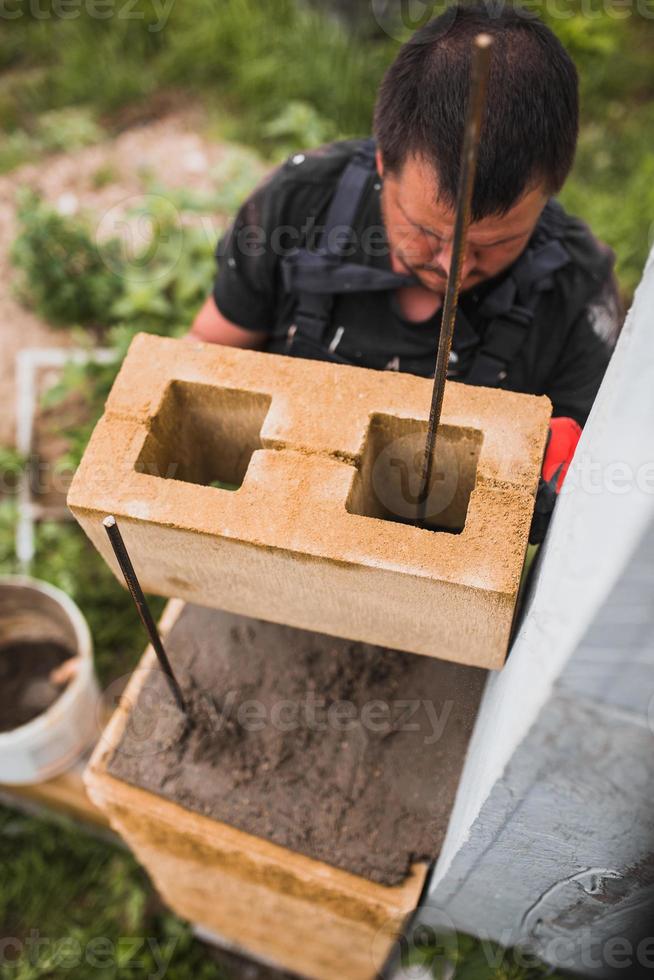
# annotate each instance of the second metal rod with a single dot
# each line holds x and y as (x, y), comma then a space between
(132, 582)
(474, 116)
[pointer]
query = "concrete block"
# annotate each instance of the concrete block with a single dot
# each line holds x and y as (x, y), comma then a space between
(324, 464)
(302, 914)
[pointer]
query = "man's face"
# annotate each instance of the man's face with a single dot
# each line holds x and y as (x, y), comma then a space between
(420, 229)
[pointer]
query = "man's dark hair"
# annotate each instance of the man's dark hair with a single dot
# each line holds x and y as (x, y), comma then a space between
(530, 128)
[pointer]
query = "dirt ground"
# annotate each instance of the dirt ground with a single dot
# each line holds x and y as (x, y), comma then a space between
(172, 150)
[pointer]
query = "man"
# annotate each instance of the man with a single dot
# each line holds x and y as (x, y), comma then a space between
(343, 253)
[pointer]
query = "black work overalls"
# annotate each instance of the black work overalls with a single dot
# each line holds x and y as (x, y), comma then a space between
(316, 277)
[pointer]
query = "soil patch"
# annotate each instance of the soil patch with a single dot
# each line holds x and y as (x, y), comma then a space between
(172, 151)
(26, 690)
(346, 752)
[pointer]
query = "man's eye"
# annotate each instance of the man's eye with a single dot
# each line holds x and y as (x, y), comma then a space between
(430, 234)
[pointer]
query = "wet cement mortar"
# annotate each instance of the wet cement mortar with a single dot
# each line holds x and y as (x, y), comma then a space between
(26, 690)
(346, 752)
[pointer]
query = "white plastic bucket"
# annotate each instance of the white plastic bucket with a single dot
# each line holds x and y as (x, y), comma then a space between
(55, 740)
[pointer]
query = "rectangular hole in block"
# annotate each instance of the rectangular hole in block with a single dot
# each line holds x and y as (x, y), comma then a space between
(203, 434)
(387, 484)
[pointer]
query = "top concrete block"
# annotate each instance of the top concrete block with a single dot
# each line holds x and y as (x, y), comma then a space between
(285, 489)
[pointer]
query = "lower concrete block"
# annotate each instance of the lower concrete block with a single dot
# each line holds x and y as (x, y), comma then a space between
(285, 490)
(306, 916)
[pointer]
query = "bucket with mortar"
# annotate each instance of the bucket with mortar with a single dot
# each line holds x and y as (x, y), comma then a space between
(49, 716)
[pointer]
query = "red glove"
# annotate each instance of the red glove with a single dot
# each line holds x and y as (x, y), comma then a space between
(561, 445)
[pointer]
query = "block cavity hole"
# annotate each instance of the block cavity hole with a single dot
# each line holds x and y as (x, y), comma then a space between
(387, 483)
(205, 435)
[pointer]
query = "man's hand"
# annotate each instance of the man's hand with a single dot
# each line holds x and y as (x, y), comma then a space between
(211, 327)
(561, 446)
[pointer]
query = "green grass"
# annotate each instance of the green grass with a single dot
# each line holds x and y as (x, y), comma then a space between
(75, 907)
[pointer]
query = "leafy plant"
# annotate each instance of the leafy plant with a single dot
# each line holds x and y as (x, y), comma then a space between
(12, 464)
(67, 129)
(610, 158)
(72, 280)
(31, 135)
(8, 516)
(66, 277)
(298, 124)
(105, 175)
(16, 148)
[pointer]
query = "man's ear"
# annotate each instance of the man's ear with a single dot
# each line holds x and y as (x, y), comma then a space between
(380, 163)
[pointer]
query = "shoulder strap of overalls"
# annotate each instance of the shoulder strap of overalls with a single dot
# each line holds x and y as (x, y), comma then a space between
(512, 306)
(315, 277)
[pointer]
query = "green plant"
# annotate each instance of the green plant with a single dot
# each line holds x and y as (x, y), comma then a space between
(105, 174)
(612, 187)
(53, 131)
(272, 54)
(72, 280)
(24, 92)
(12, 464)
(16, 148)
(298, 124)
(67, 129)
(66, 276)
(8, 515)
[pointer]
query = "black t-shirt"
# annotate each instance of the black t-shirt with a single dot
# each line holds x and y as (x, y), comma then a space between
(565, 352)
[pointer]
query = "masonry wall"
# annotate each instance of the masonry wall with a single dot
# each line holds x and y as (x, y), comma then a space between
(552, 834)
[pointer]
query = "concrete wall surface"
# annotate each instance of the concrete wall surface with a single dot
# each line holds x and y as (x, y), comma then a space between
(551, 841)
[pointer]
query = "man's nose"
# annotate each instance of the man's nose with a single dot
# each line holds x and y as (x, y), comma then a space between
(444, 259)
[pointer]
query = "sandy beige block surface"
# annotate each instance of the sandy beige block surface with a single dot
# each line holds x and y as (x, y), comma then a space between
(323, 465)
(302, 914)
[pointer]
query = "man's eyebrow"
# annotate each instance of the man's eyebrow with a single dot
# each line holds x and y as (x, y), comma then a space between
(434, 234)
(502, 241)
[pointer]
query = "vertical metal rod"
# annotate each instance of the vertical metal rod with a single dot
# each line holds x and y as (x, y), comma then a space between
(474, 116)
(132, 582)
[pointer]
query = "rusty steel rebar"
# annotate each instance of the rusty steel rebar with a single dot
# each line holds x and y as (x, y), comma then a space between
(122, 557)
(474, 116)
